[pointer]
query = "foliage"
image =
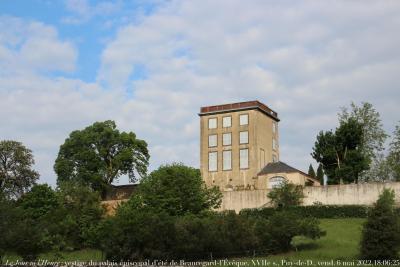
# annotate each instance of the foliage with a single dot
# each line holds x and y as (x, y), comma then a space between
(311, 171)
(277, 233)
(374, 136)
(178, 190)
(16, 173)
(381, 232)
(286, 195)
(315, 211)
(340, 152)
(99, 154)
(320, 174)
(79, 214)
(136, 234)
(39, 202)
(143, 233)
(6, 221)
(394, 155)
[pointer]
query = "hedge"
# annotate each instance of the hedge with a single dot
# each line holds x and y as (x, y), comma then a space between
(316, 211)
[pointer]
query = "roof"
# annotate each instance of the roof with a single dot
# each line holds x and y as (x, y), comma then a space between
(279, 167)
(237, 107)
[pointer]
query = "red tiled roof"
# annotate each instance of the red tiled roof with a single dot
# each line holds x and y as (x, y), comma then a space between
(239, 106)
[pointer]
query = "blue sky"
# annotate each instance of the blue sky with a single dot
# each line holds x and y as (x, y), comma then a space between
(150, 65)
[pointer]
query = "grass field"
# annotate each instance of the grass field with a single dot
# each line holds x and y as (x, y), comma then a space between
(340, 243)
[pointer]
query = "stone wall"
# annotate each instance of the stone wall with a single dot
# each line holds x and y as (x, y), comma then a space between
(352, 194)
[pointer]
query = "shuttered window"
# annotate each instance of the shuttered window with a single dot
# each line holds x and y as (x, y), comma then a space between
(213, 161)
(212, 123)
(227, 139)
(244, 137)
(227, 121)
(212, 140)
(227, 160)
(244, 159)
(244, 119)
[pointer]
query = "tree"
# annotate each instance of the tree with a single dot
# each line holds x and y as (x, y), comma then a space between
(381, 233)
(16, 173)
(311, 171)
(178, 190)
(79, 214)
(340, 152)
(40, 201)
(286, 195)
(394, 154)
(99, 154)
(373, 138)
(320, 174)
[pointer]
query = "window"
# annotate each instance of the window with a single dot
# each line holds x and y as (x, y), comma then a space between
(212, 123)
(274, 158)
(276, 181)
(212, 161)
(244, 137)
(274, 144)
(227, 121)
(227, 160)
(274, 127)
(244, 159)
(212, 140)
(226, 139)
(244, 119)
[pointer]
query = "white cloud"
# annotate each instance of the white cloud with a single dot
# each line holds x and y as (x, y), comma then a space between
(29, 46)
(303, 59)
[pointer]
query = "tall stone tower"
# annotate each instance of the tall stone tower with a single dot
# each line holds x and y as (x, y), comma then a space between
(236, 142)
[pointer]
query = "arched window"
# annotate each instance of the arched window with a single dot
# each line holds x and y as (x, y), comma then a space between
(276, 181)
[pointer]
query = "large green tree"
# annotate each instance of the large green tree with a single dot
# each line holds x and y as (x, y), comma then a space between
(373, 137)
(99, 154)
(16, 172)
(178, 190)
(341, 153)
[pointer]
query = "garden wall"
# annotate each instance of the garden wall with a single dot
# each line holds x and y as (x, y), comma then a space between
(352, 194)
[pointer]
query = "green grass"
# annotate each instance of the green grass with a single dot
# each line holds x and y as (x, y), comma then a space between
(340, 243)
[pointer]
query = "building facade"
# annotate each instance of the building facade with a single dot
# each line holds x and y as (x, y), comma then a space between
(236, 142)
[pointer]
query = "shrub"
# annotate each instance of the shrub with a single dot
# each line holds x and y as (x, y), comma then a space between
(287, 195)
(317, 211)
(277, 232)
(381, 233)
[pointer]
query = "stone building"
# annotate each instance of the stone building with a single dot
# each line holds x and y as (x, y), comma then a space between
(237, 142)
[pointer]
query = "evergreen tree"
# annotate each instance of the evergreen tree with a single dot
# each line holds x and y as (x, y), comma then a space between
(311, 171)
(381, 233)
(320, 174)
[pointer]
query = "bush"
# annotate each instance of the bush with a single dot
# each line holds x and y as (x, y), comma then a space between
(381, 233)
(138, 232)
(277, 232)
(287, 195)
(317, 211)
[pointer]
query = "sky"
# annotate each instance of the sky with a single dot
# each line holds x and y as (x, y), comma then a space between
(150, 66)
